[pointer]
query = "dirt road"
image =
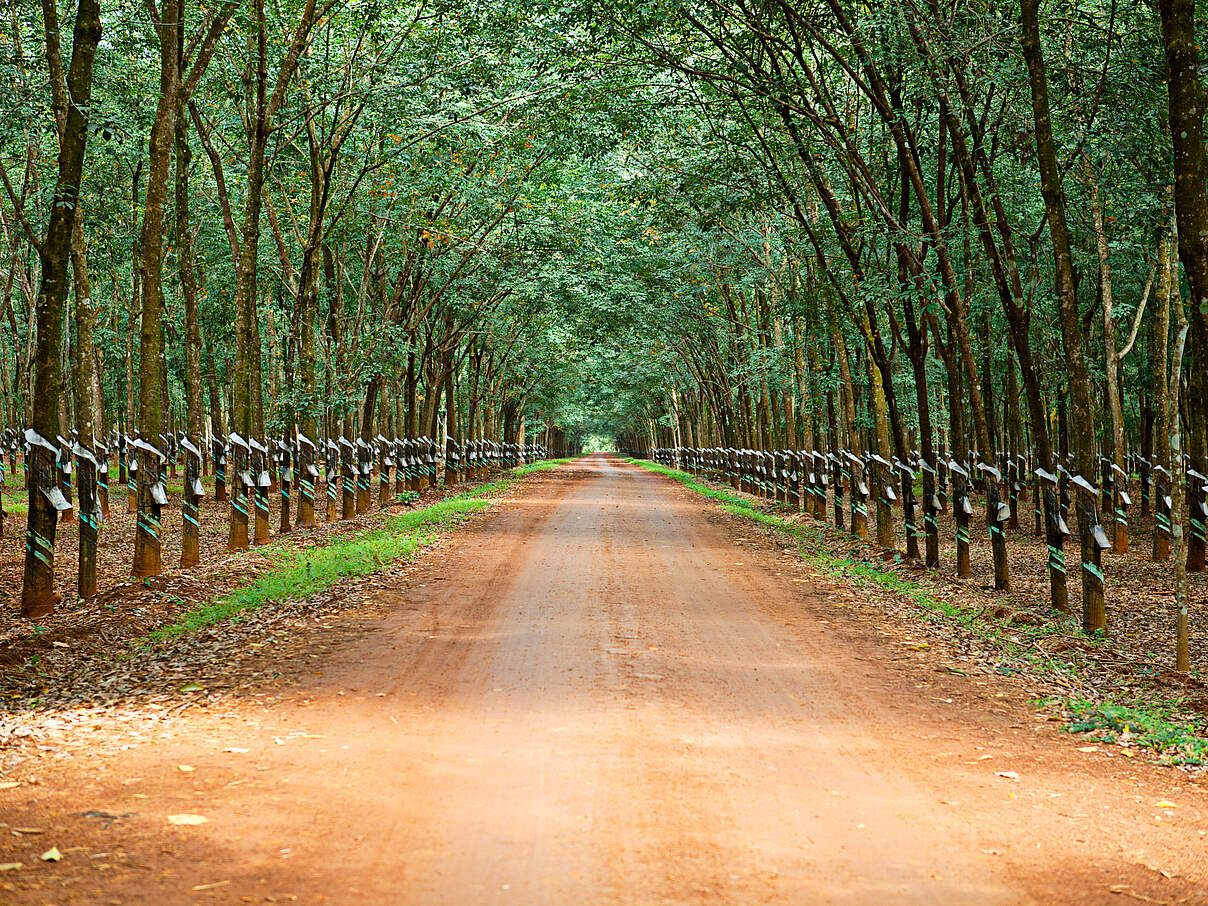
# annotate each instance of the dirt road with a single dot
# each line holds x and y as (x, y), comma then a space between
(595, 696)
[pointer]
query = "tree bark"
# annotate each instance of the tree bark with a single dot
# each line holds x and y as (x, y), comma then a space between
(190, 527)
(1178, 493)
(87, 409)
(1185, 99)
(38, 597)
(147, 542)
(1111, 350)
(1082, 416)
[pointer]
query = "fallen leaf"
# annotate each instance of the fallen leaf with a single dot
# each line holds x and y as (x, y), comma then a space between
(10, 784)
(1088, 748)
(51, 855)
(1166, 803)
(11, 866)
(187, 819)
(107, 817)
(236, 751)
(191, 687)
(1125, 889)
(185, 768)
(210, 886)
(1009, 775)
(29, 830)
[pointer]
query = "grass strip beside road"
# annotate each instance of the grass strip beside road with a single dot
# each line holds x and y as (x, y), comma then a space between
(298, 574)
(1158, 722)
(804, 534)
(543, 466)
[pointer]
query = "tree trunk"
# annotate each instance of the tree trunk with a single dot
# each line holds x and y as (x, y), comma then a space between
(1082, 416)
(1111, 351)
(246, 345)
(38, 597)
(308, 427)
(1178, 495)
(451, 466)
(1185, 98)
(147, 543)
(87, 409)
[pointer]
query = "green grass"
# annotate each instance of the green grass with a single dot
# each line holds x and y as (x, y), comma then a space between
(1154, 723)
(689, 481)
(810, 547)
(543, 466)
(809, 538)
(297, 574)
(1155, 726)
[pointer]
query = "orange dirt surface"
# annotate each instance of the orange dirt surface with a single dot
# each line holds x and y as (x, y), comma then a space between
(593, 695)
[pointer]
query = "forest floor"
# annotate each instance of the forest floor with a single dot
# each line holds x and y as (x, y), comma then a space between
(68, 658)
(603, 690)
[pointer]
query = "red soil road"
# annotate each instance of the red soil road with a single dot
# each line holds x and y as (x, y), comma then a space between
(594, 696)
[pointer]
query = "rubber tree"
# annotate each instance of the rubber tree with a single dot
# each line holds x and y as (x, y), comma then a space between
(190, 528)
(178, 80)
(1052, 188)
(1185, 101)
(84, 385)
(38, 596)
